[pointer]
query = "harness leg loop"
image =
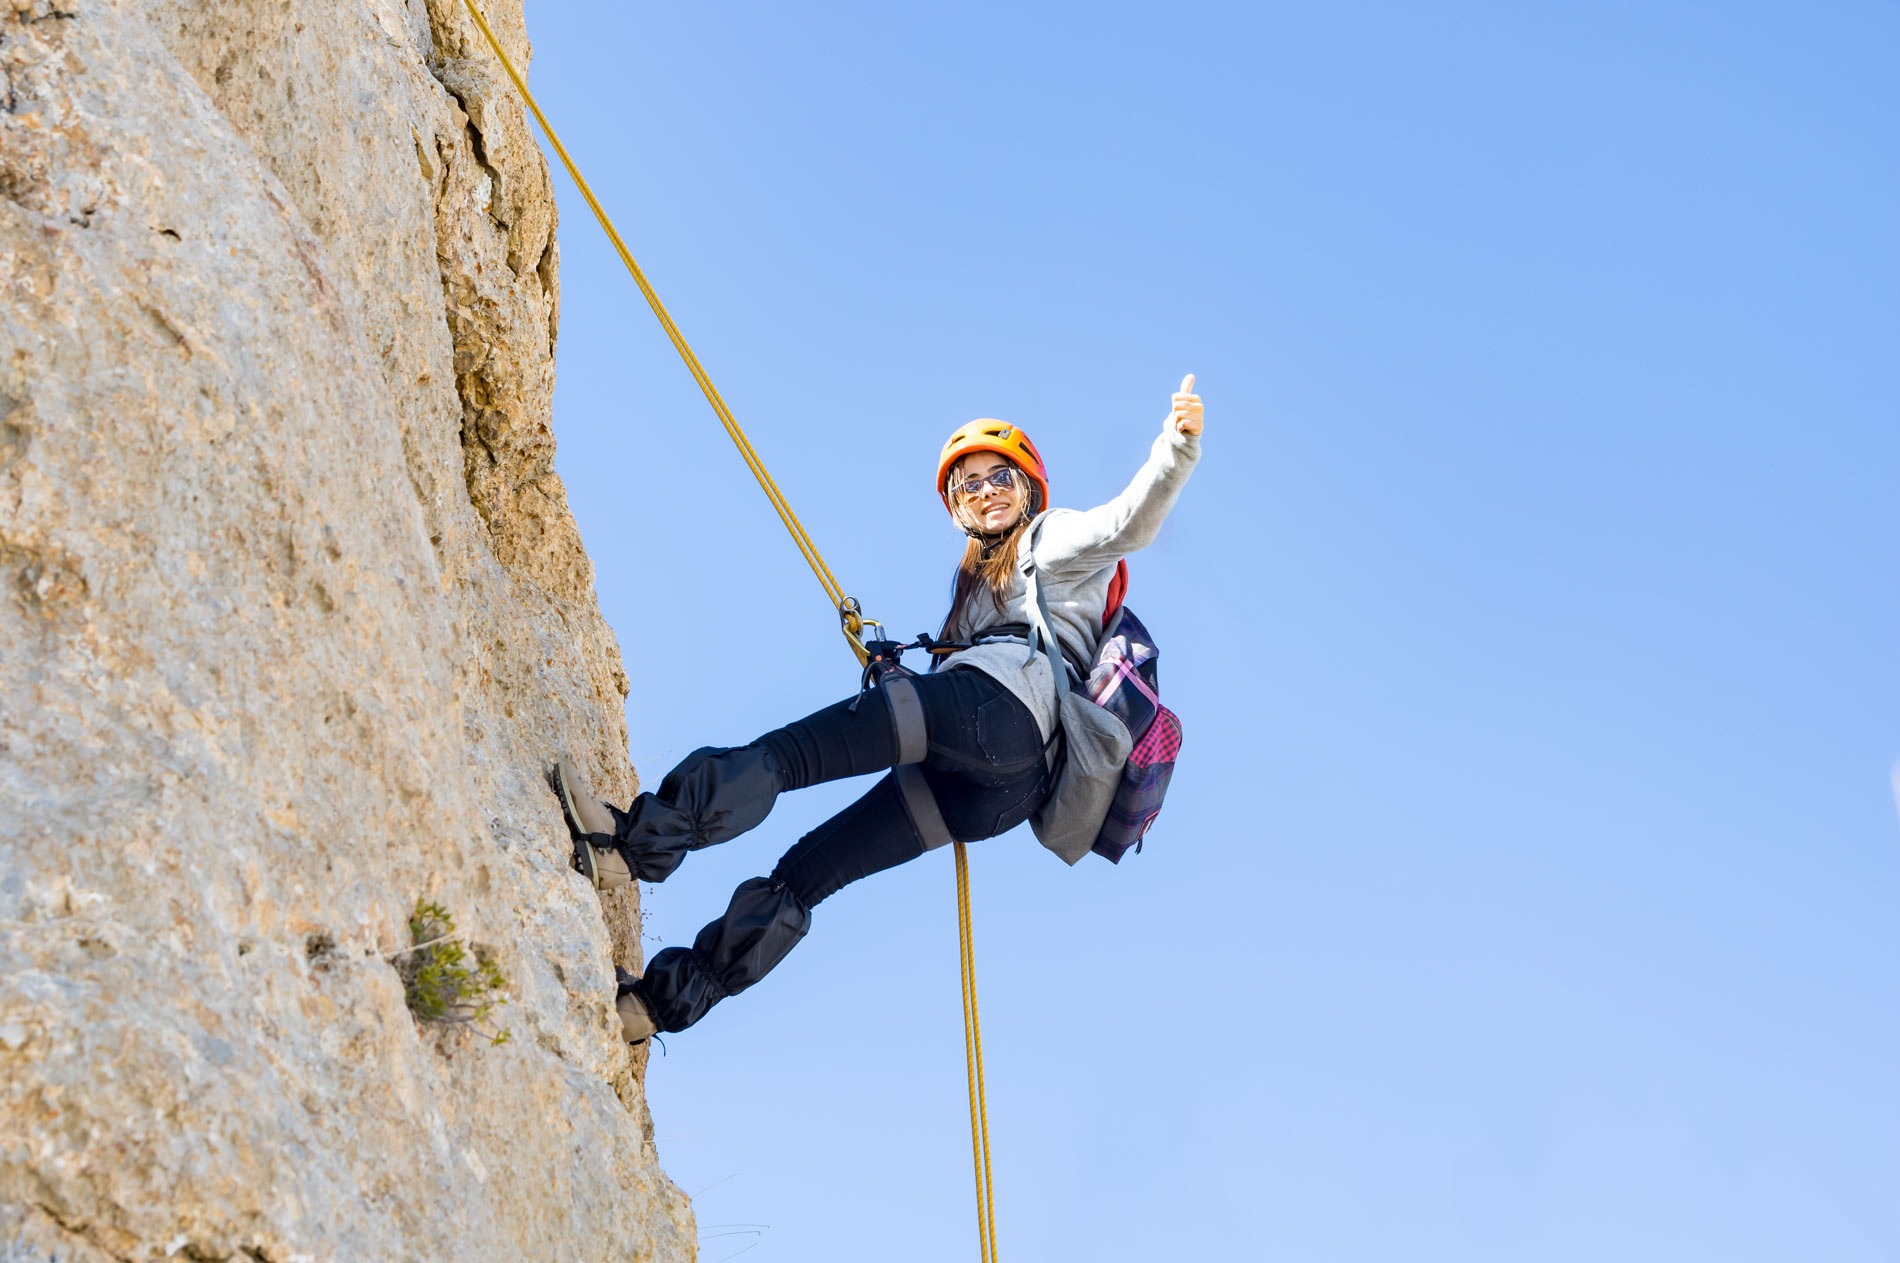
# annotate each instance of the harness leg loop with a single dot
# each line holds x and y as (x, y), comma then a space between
(909, 732)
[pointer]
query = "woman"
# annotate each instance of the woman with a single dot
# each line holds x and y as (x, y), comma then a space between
(965, 746)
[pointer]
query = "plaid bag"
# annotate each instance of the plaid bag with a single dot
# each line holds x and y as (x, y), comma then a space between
(1126, 682)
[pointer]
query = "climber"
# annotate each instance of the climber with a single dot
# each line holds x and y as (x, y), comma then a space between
(966, 746)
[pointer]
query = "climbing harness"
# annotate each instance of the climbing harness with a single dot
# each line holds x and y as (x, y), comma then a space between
(851, 620)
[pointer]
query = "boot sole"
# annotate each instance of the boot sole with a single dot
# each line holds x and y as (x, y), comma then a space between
(582, 859)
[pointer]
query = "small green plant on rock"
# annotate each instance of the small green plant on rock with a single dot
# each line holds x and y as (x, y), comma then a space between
(447, 981)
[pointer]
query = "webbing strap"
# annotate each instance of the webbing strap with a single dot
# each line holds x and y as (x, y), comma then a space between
(907, 719)
(1042, 635)
(921, 806)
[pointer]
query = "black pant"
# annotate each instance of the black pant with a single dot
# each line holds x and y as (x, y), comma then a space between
(985, 768)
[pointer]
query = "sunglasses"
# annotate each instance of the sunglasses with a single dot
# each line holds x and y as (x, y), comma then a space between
(1002, 479)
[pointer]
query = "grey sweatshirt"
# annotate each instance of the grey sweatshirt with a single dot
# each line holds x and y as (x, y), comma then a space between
(1076, 554)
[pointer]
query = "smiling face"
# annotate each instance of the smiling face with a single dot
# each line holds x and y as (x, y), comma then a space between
(992, 510)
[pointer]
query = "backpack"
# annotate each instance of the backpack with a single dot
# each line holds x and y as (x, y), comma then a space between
(1119, 742)
(1125, 682)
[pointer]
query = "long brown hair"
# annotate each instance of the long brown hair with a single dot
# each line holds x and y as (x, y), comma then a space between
(989, 562)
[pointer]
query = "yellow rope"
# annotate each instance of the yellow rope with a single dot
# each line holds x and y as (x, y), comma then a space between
(852, 620)
(973, 1058)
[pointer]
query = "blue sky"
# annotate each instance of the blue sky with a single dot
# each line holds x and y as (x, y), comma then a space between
(1528, 885)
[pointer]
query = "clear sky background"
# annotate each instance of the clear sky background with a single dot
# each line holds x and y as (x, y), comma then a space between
(1528, 888)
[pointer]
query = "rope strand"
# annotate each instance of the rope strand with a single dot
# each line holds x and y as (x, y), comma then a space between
(852, 620)
(973, 1056)
(780, 504)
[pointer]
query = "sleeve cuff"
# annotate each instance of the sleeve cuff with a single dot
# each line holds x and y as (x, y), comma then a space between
(1189, 443)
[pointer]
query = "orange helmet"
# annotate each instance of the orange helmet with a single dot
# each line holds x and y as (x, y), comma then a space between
(988, 435)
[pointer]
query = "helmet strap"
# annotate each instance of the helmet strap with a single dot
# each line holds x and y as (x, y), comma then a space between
(985, 541)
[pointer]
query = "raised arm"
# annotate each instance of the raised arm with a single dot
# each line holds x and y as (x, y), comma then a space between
(1080, 541)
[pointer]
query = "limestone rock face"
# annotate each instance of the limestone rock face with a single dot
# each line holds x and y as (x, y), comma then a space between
(293, 619)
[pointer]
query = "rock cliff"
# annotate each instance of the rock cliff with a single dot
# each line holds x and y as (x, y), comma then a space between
(293, 617)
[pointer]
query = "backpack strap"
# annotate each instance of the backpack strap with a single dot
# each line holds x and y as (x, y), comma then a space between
(1042, 638)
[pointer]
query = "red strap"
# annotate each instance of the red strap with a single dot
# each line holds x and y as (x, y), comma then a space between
(1117, 592)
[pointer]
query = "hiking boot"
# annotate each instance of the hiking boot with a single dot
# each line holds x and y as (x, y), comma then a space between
(635, 1022)
(592, 824)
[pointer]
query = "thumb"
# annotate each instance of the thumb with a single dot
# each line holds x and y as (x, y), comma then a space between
(1187, 385)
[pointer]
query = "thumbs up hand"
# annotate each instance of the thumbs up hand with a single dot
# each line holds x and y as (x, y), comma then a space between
(1187, 415)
